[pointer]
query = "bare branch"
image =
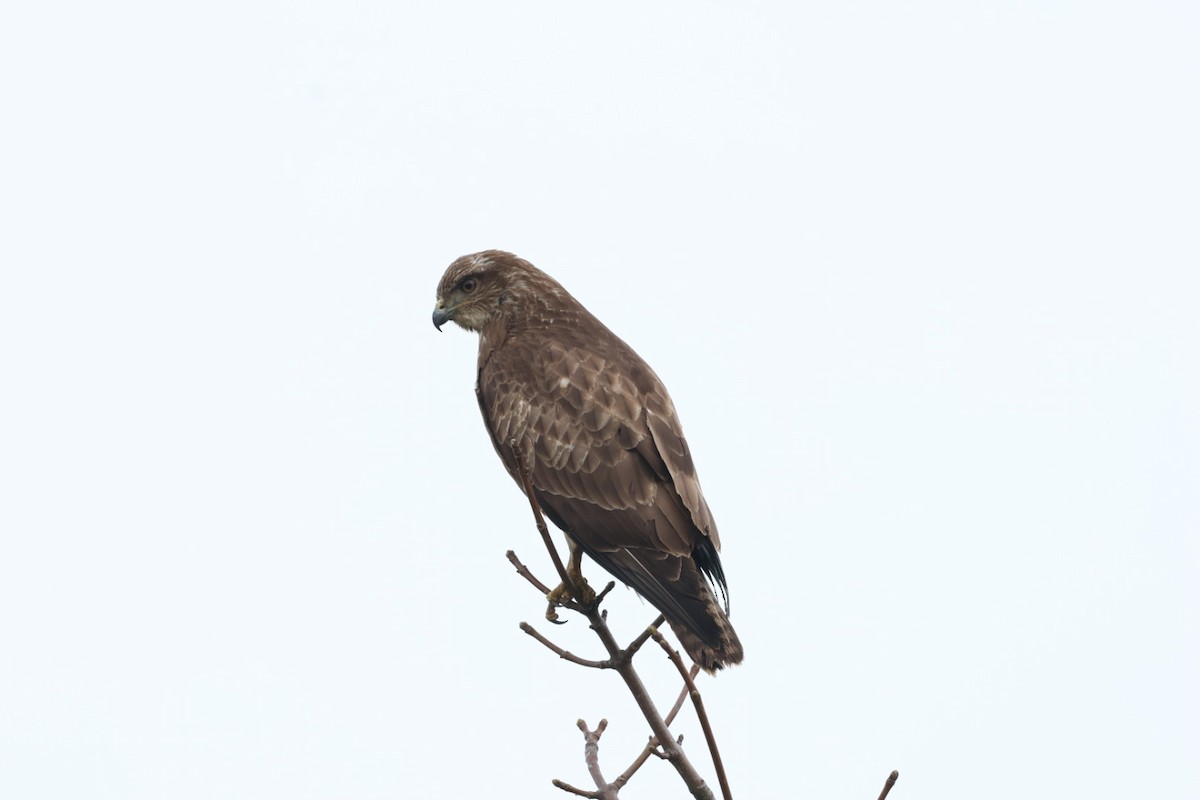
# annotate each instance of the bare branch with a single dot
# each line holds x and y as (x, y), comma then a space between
(651, 748)
(701, 714)
(574, 659)
(642, 758)
(887, 786)
(644, 636)
(566, 787)
(682, 695)
(524, 572)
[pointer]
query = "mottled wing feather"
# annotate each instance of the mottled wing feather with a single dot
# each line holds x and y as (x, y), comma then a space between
(608, 463)
(672, 448)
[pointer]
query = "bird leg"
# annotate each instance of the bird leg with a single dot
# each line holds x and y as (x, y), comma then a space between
(562, 595)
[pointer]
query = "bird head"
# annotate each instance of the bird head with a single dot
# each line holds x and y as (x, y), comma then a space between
(477, 288)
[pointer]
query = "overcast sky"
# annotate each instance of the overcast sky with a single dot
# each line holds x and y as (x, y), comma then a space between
(923, 282)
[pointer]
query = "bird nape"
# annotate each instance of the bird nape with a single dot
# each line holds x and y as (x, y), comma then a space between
(603, 444)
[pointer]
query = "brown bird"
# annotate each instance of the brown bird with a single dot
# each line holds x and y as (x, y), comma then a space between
(606, 453)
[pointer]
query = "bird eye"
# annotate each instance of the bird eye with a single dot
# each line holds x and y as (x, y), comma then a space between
(469, 285)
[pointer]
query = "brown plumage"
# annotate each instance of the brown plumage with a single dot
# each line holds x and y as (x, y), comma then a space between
(607, 456)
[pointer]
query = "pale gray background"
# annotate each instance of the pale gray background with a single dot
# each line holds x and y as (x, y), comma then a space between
(922, 280)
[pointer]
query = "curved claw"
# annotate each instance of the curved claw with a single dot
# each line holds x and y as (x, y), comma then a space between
(560, 596)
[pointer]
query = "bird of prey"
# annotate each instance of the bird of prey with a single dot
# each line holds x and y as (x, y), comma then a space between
(599, 434)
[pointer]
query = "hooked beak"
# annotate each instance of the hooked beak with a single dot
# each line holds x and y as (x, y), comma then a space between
(440, 317)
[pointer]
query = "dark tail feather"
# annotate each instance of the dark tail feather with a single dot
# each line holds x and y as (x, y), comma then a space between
(719, 649)
(676, 587)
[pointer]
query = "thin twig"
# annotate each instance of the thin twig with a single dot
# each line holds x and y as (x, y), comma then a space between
(564, 654)
(608, 588)
(524, 572)
(887, 787)
(644, 636)
(642, 758)
(683, 693)
(566, 787)
(701, 714)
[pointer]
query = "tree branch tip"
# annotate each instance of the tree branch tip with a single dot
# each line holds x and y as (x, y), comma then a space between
(600, 728)
(566, 787)
(887, 786)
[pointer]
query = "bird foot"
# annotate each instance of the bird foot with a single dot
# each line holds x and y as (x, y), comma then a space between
(562, 595)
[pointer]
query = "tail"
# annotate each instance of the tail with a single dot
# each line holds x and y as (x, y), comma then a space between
(676, 586)
(713, 643)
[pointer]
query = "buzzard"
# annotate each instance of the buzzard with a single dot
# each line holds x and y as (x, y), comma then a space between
(605, 450)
